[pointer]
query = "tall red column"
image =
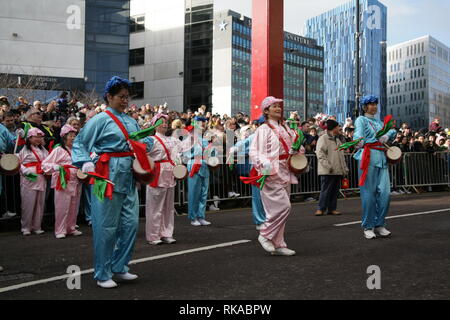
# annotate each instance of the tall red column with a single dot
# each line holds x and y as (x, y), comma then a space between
(267, 52)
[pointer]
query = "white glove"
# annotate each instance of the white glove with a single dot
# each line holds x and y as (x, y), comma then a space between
(384, 139)
(27, 171)
(56, 167)
(20, 133)
(88, 167)
(302, 150)
(292, 151)
(267, 168)
(360, 145)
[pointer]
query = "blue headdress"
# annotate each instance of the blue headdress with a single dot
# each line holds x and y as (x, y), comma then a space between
(197, 118)
(368, 99)
(261, 119)
(113, 82)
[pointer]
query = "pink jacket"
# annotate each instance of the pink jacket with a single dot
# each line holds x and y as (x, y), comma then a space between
(27, 156)
(61, 157)
(157, 153)
(266, 148)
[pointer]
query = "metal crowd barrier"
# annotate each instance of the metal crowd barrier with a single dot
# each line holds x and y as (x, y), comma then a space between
(415, 170)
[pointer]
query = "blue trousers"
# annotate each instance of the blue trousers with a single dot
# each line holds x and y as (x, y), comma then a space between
(114, 225)
(259, 215)
(197, 196)
(86, 196)
(329, 191)
(375, 197)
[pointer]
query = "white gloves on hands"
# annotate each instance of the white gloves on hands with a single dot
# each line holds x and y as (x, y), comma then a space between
(88, 167)
(267, 168)
(20, 133)
(384, 139)
(360, 145)
(27, 171)
(56, 167)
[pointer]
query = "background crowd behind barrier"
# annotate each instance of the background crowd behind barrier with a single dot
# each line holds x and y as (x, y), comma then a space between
(433, 142)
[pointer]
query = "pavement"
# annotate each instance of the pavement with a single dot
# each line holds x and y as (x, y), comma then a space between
(225, 260)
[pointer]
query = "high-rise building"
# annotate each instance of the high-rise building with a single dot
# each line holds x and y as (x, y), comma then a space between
(419, 82)
(107, 40)
(196, 57)
(62, 45)
(335, 30)
(231, 84)
(157, 52)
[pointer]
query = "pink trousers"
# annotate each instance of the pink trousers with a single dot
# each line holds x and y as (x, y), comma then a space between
(66, 210)
(159, 213)
(33, 202)
(277, 205)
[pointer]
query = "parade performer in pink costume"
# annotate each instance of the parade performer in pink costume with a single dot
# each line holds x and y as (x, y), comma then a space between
(32, 182)
(159, 209)
(66, 184)
(269, 153)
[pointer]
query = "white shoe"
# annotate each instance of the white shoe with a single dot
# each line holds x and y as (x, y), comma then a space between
(76, 233)
(233, 194)
(39, 232)
(9, 214)
(310, 199)
(283, 252)
(1, 268)
(216, 202)
(155, 243)
(168, 240)
(195, 223)
(60, 236)
(213, 208)
(126, 276)
(203, 222)
(394, 193)
(266, 244)
(26, 233)
(369, 234)
(401, 192)
(90, 223)
(77, 226)
(259, 226)
(382, 231)
(108, 284)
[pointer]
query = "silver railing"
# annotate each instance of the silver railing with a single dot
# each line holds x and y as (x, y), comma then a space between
(415, 170)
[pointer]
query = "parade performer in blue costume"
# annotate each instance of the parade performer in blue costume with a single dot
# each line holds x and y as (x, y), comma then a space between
(7, 141)
(243, 168)
(198, 179)
(114, 208)
(373, 168)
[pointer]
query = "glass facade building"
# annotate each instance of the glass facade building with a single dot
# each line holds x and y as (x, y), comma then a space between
(335, 31)
(303, 64)
(107, 42)
(198, 54)
(419, 82)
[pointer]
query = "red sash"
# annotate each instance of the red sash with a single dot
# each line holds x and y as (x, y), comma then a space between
(283, 143)
(139, 149)
(36, 164)
(365, 162)
(157, 169)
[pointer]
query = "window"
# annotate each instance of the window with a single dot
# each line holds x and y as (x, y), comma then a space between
(137, 90)
(137, 56)
(137, 23)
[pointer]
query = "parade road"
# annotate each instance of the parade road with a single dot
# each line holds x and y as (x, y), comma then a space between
(225, 260)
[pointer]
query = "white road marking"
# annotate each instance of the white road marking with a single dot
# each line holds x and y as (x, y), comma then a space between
(162, 256)
(395, 217)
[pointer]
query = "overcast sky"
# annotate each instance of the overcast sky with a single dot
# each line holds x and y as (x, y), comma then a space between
(407, 19)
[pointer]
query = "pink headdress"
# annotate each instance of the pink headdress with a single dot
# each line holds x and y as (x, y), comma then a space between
(66, 129)
(157, 117)
(34, 132)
